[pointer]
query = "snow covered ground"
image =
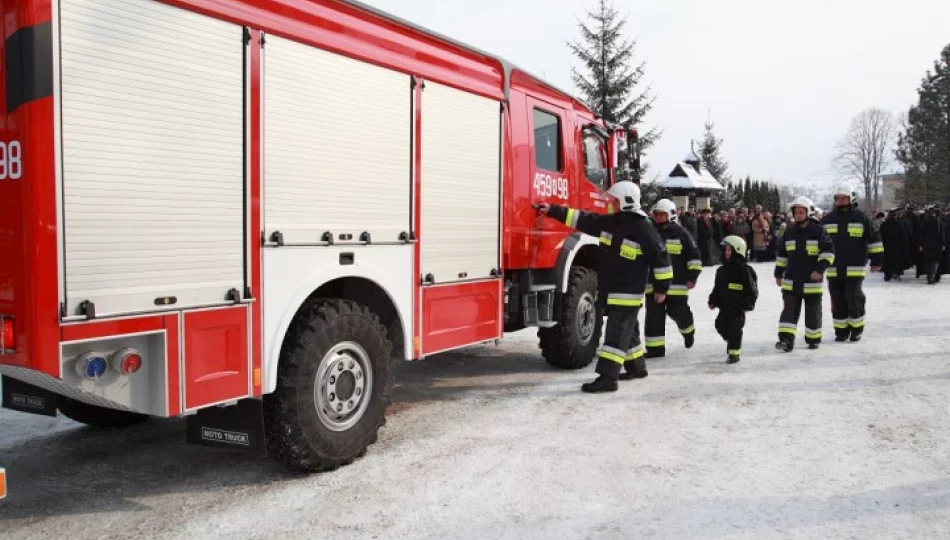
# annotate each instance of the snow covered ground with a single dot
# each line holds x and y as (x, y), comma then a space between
(851, 441)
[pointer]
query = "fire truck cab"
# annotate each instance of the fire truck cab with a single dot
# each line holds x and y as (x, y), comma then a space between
(243, 211)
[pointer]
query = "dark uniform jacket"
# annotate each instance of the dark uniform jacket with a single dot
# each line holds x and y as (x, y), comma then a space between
(684, 258)
(855, 241)
(632, 249)
(736, 286)
(895, 245)
(803, 250)
(932, 238)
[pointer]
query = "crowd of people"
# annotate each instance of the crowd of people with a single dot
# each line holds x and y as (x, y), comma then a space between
(915, 240)
(761, 229)
(652, 260)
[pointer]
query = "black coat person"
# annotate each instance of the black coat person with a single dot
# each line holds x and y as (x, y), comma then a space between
(945, 260)
(708, 237)
(913, 224)
(932, 245)
(688, 222)
(910, 240)
(895, 247)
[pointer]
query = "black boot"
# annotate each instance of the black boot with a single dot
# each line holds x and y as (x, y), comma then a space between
(689, 339)
(855, 338)
(813, 346)
(634, 369)
(601, 384)
(841, 337)
(784, 345)
(655, 352)
(733, 358)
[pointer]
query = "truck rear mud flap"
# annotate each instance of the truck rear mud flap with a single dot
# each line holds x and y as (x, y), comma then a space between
(23, 397)
(238, 427)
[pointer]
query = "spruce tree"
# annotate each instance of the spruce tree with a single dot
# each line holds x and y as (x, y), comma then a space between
(610, 81)
(747, 191)
(710, 154)
(924, 147)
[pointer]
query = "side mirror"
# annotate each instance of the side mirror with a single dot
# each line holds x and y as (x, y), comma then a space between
(633, 150)
(625, 153)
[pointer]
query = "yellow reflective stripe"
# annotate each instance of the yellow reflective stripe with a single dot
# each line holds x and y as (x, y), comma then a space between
(736, 287)
(856, 229)
(831, 228)
(787, 286)
(663, 272)
(785, 330)
(678, 292)
(695, 265)
(572, 217)
(734, 352)
(628, 252)
(790, 246)
(635, 353)
(841, 323)
(876, 247)
(832, 272)
(630, 300)
(830, 257)
(674, 249)
(809, 334)
(812, 288)
(857, 271)
(609, 353)
(688, 330)
(856, 323)
(606, 238)
(656, 342)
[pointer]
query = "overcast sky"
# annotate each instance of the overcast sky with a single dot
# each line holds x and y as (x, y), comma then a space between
(781, 79)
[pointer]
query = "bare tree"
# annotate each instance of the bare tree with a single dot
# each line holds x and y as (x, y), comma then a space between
(866, 151)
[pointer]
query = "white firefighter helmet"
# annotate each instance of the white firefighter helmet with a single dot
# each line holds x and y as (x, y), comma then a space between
(628, 194)
(802, 202)
(666, 206)
(844, 190)
(737, 243)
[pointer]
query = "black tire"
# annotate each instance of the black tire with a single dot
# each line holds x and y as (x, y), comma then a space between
(98, 417)
(295, 433)
(563, 346)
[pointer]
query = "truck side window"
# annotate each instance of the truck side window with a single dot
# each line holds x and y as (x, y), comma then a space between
(595, 160)
(547, 141)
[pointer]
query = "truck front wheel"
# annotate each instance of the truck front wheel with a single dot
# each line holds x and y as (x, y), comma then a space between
(573, 343)
(333, 386)
(99, 417)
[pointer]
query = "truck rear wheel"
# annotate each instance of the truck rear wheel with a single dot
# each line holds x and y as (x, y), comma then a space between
(573, 343)
(99, 417)
(333, 387)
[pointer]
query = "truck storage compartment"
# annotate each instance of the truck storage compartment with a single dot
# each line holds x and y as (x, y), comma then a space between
(216, 362)
(337, 147)
(461, 185)
(153, 156)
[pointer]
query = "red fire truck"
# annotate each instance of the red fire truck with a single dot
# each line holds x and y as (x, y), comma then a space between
(243, 211)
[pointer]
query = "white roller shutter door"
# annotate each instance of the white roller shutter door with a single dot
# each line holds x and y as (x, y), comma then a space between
(461, 145)
(153, 155)
(337, 146)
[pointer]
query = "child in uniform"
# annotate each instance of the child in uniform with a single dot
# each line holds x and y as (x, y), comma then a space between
(734, 293)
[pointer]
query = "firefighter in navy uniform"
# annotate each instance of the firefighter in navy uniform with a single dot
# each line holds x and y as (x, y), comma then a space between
(631, 249)
(734, 294)
(687, 265)
(805, 252)
(855, 242)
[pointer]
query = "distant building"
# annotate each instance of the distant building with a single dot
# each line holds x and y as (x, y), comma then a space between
(890, 185)
(689, 177)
